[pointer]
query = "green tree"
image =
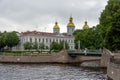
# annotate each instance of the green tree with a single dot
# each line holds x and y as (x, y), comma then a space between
(41, 46)
(12, 39)
(66, 45)
(54, 46)
(27, 46)
(109, 24)
(113, 36)
(98, 39)
(35, 45)
(86, 38)
(58, 46)
(3, 38)
(89, 38)
(2, 44)
(46, 47)
(61, 45)
(76, 32)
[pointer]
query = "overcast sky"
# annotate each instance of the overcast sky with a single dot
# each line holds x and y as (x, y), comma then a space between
(40, 15)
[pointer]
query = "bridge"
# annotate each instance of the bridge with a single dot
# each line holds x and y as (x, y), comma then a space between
(74, 53)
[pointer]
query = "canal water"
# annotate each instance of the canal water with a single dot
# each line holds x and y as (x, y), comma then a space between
(50, 72)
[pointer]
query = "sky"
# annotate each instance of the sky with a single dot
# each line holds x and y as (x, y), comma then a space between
(41, 15)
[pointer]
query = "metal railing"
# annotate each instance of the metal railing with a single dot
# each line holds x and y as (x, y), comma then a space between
(85, 51)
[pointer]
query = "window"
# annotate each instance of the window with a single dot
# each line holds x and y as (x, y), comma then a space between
(57, 40)
(39, 39)
(35, 39)
(46, 40)
(53, 40)
(50, 40)
(30, 40)
(43, 40)
(71, 41)
(72, 29)
(68, 41)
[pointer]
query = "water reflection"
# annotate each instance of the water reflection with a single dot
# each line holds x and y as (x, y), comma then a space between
(49, 72)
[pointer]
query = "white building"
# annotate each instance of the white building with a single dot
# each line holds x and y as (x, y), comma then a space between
(47, 38)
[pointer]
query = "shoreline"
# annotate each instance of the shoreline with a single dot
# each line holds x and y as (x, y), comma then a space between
(61, 57)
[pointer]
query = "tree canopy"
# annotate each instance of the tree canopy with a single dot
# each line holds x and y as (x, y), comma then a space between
(106, 33)
(12, 39)
(58, 46)
(27, 45)
(110, 25)
(89, 38)
(9, 39)
(3, 37)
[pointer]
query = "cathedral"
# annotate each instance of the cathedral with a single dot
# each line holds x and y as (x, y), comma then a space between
(47, 38)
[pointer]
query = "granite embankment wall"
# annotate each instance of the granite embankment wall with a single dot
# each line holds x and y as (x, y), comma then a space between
(113, 67)
(112, 62)
(113, 71)
(105, 58)
(61, 57)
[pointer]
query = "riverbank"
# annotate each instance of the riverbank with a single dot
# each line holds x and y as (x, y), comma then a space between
(61, 57)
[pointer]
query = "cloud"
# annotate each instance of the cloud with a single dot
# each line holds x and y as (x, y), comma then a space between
(41, 14)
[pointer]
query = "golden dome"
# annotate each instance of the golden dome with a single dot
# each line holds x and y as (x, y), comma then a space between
(85, 25)
(70, 24)
(56, 25)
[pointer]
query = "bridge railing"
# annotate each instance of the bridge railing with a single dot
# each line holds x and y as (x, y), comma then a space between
(88, 52)
(85, 51)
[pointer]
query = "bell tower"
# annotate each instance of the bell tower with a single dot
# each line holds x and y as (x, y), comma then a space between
(70, 26)
(56, 28)
(85, 25)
